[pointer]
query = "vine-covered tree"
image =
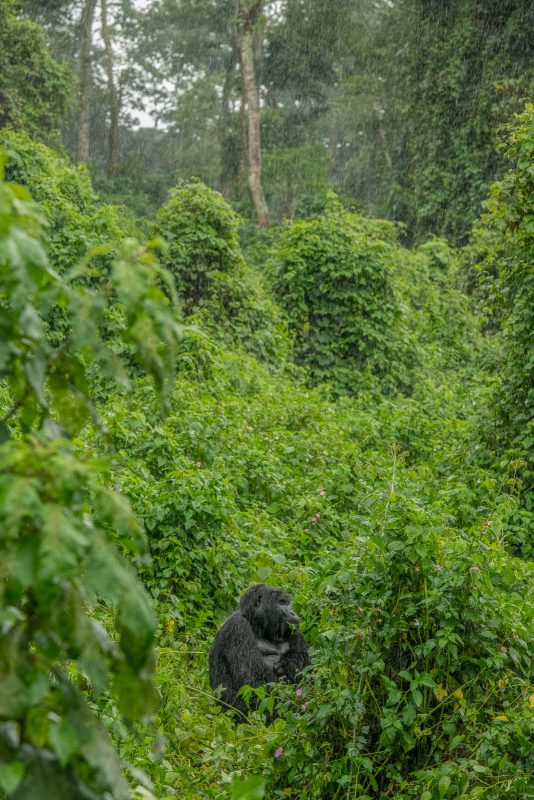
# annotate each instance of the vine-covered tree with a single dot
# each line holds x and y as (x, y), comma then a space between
(506, 235)
(248, 16)
(425, 105)
(35, 89)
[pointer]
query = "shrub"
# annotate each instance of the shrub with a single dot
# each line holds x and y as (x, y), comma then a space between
(422, 686)
(225, 296)
(76, 220)
(60, 523)
(201, 231)
(35, 89)
(335, 277)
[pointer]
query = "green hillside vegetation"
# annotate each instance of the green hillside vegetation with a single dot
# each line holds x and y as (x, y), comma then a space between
(344, 422)
(267, 315)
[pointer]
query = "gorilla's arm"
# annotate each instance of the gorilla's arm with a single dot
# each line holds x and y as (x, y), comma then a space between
(236, 661)
(296, 657)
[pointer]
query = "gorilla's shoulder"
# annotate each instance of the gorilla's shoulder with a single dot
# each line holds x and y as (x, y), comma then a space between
(236, 622)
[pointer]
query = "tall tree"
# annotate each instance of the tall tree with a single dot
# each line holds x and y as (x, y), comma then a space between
(86, 81)
(248, 15)
(466, 68)
(225, 121)
(416, 116)
(113, 96)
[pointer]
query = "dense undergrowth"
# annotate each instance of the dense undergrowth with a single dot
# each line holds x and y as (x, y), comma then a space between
(336, 441)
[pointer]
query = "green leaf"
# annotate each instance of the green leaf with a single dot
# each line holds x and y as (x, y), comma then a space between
(64, 740)
(11, 775)
(417, 697)
(264, 573)
(252, 788)
(95, 746)
(443, 785)
(63, 542)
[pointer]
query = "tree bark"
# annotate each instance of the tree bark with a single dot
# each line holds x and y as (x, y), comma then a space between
(224, 128)
(248, 16)
(113, 99)
(380, 116)
(86, 80)
(243, 139)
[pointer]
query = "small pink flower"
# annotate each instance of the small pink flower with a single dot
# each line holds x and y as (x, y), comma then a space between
(313, 520)
(322, 492)
(279, 752)
(298, 692)
(318, 514)
(438, 567)
(504, 649)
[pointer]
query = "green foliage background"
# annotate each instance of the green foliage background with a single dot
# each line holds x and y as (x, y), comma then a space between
(316, 406)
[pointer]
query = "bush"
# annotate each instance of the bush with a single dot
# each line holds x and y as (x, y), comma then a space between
(422, 684)
(61, 524)
(201, 231)
(35, 90)
(76, 219)
(335, 277)
(226, 297)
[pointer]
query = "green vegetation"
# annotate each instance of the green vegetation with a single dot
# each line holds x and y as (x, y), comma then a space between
(75, 220)
(505, 238)
(61, 524)
(217, 288)
(35, 89)
(442, 78)
(316, 406)
(396, 106)
(336, 279)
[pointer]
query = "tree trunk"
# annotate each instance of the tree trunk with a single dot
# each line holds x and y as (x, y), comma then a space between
(378, 109)
(243, 141)
(226, 175)
(248, 18)
(113, 100)
(86, 80)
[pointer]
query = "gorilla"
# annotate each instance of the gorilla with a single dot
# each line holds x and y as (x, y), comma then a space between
(258, 644)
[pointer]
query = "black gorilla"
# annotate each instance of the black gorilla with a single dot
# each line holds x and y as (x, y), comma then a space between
(257, 645)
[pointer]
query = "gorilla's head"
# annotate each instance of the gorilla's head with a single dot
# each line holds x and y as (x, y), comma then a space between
(269, 612)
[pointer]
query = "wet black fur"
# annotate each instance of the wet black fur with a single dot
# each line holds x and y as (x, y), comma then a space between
(235, 659)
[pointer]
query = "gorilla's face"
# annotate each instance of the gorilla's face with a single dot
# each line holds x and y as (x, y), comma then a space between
(284, 610)
(269, 612)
